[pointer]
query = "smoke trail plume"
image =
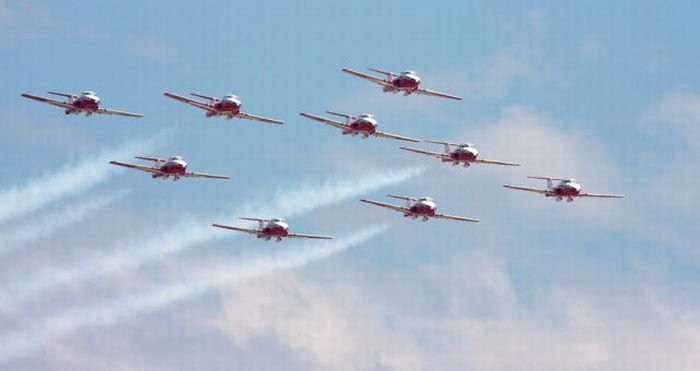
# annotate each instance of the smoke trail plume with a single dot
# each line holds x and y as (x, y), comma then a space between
(47, 224)
(22, 341)
(289, 202)
(70, 180)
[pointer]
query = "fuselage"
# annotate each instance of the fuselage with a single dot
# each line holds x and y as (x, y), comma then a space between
(566, 188)
(407, 80)
(274, 228)
(365, 123)
(228, 105)
(464, 152)
(87, 101)
(175, 165)
(425, 206)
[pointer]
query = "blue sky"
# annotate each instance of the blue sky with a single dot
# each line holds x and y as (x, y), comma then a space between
(126, 274)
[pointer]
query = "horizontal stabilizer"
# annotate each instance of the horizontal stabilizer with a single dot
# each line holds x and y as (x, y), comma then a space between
(439, 142)
(149, 158)
(340, 114)
(382, 72)
(203, 96)
(62, 94)
(544, 177)
(255, 219)
(402, 197)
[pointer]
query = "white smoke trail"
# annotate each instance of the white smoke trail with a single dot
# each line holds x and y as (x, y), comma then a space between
(287, 202)
(25, 340)
(48, 224)
(70, 180)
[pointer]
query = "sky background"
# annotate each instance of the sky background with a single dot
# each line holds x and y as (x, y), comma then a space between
(103, 268)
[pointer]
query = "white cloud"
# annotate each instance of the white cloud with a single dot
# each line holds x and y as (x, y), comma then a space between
(47, 224)
(324, 323)
(70, 180)
(288, 201)
(40, 332)
(523, 135)
(681, 111)
(428, 318)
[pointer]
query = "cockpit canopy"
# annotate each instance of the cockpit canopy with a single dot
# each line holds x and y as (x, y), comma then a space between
(231, 96)
(570, 180)
(367, 116)
(277, 220)
(176, 158)
(409, 73)
(426, 199)
(466, 145)
(88, 92)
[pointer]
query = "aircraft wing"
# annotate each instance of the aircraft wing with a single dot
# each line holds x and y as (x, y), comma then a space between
(536, 190)
(326, 121)
(495, 162)
(394, 136)
(452, 217)
(441, 156)
(137, 167)
(237, 229)
(191, 102)
(248, 116)
(204, 175)
(105, 111)
(392, 207)
(365, 76)
(436, 94)
(48, 100)
(314, 236)
(600, 195)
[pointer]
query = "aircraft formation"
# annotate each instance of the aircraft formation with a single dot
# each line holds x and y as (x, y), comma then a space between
(364, 125)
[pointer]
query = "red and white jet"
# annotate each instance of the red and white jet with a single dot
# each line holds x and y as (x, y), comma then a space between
(87, 102)
(567, 188)
(175, 167)
(406, 82)
(364, 125)
(464, 153)
(229, 106)
(268, 229)
(423, 207)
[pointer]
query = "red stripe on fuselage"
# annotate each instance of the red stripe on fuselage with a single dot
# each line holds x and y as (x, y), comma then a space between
(363, 126)
(274, 231)
(227, 107)
(422, 210)
(402, 82)
(86, 104)
(462, 156)
(173, 169)
(565, 191)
